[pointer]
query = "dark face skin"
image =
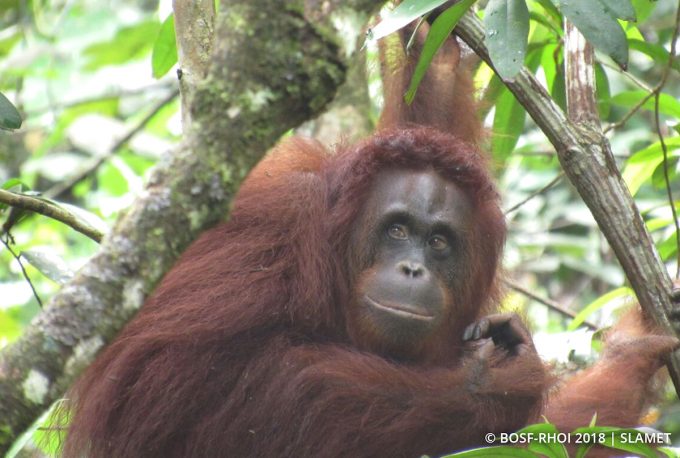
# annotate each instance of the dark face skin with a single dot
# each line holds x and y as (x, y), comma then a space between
(411, 243)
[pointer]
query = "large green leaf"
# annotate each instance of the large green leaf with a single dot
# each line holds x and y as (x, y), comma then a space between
(668, 104)
(656, 52)
(499, 451)
(643, 8)
(622, 9)
(507, 30)
(599, 26)
(405, 13)
(508, 123)
(670, 452)
(629, 440)
(129, 43)
(548, 449)
(552, 11)
(10, 118)
(439, 32)
(641, 165)
(597, 304)
(164, 54)
(669, 246)
(7, 42)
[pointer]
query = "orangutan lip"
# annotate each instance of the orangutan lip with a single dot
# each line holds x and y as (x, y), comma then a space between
(399, 310)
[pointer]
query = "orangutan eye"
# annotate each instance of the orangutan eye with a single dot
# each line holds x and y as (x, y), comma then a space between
(397, 232)
(437, 242)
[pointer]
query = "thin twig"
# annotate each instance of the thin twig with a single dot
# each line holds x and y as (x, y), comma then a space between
(552, 153)
(628, 115)
(638, 82)
(552, 183)
(115, 94)
(51, 210)
(664, 148)
(552, 305)
(23, 271)
(95, 163)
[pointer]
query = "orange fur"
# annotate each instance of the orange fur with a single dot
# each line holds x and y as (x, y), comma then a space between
(243, 349)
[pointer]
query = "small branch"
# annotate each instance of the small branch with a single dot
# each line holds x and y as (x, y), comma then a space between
(95, 163)
(23, 271)
(551, 304)
(587, 160)
(552, 183)
(655, 92)
(636, 81)
(630, 113)
(46, 208)
(164, 86)
(553, 153)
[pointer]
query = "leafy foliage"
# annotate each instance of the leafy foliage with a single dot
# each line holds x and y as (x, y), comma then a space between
(507, 30)
(9, 116)
(164, 55)
(78, 76)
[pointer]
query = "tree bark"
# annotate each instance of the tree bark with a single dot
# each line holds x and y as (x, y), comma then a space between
(270, 70)
(586, 157)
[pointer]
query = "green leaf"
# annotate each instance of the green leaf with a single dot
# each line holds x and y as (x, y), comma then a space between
(15, 183)
(641, 165)
(164, 54)
(507, 30)
(622, 9)
(405, 13)
(624, 439)
(508, 123)
(598, 304)
(10, 328)
(129, 43)
(7, 44)
(668, 104)
(595, 22)
(558, 91)
(643, 8)
(549, 64)
(10, 118)
(656, 52)
(26, 436)
(582, 450)
(499, 451)
(548, 449)
(669, 452)
(552, 11)
(602, 91)
(439, 32)
(669, 246)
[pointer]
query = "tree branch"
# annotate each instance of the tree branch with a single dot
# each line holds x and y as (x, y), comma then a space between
(239, 111)
(51, 210)
(551, 304)
(96, 162)
(587, 160)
